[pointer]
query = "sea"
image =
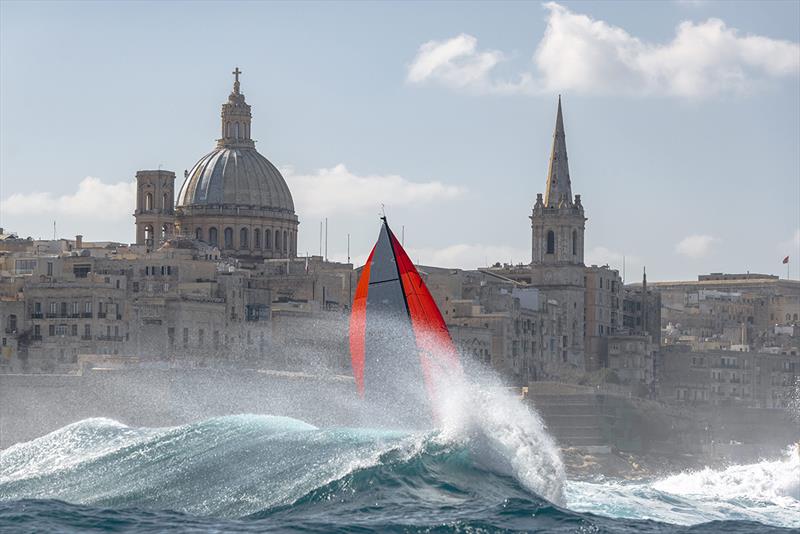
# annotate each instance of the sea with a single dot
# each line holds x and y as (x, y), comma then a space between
(488, 465)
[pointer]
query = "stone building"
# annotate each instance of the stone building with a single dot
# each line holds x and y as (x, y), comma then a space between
(721, 377)
(603, 312)
(525, 330)
(558, 224)
(641, 310)
(155, 207)
(233, 198)
(729, 309)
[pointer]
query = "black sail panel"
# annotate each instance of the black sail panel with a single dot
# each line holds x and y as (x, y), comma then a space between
(392, 371)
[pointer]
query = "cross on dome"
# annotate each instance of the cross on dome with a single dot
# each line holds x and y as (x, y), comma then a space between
(236, 74)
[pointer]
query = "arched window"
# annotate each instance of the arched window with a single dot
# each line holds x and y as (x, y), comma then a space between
(227, 129)
(256, 238)
(277, 240)
(164, 231)
(198, 234)
(212, 236)
(788, 317)
(267, 239)
(574, 242)
(166, 205)
(228, 238)
(236, 130)
(243, 238)
(148, 201)
(148, 235)
(551, 242)
(285, 241)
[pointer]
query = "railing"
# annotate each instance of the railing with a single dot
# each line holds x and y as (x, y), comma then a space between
(37, 315)
(101, 315)
(86, 338)
(110, 338)
(86, 315)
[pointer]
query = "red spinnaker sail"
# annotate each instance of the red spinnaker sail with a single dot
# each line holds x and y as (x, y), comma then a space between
(434, 344)
(358, 325)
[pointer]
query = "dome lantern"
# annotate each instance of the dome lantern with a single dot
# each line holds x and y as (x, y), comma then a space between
(236, 118)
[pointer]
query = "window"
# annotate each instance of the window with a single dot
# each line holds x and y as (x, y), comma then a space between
(54, 308)
(285, 241)
(228, 238)
(257, 238)
(49, 268)
(198, 234)
(267, 239)
(171, 336)
(61, 330)
(574, 242)
(148, 235)
(166, 203)
(74, 330)
(200, 336)
(148, 201)
(243, 238)
(185, 337)
(87, 331)
(551, 242)
(76, 309)
(277, 240)
(212, 236)
(51, 330)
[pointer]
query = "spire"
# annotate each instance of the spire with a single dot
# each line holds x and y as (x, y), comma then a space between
(236, 118)
(559, 187)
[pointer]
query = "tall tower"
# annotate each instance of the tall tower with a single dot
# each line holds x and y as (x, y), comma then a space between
(558, 225)
(155, 207)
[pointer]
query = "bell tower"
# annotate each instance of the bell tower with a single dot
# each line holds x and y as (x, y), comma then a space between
(557, 229)
(155, 207)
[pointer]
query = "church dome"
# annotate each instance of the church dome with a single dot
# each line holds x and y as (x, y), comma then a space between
(234, 198)
(236, 176)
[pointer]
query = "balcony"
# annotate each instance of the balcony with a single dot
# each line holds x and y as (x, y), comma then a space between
(101, 315)
(110, 338)
(37, 315)
(11, 330)
(86, 338)
(86, 315)
(36, 338)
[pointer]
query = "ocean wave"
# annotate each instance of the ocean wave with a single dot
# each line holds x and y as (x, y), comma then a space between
(765, 492)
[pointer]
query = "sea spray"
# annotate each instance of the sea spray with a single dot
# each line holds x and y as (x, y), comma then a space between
(507, 435)
(767, 491)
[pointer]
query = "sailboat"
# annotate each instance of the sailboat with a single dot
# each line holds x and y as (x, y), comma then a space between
(400, 346)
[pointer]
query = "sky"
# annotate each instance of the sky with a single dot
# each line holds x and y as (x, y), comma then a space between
(682, 121)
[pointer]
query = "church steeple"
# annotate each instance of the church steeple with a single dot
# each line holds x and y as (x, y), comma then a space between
(236, 118)
(558, 191)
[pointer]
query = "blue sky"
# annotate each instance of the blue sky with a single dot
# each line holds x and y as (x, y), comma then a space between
(682, 120)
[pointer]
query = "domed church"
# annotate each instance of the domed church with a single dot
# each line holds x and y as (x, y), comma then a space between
(232, 198)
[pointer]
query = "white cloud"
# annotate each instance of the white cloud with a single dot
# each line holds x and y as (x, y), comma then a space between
(337, 190)
(584, 55)
(695, 246)
(457, 63)
(94, 199)
(469, 256)
(791, 245)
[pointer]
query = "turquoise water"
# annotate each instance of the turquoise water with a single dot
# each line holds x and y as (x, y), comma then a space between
(491, 471)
